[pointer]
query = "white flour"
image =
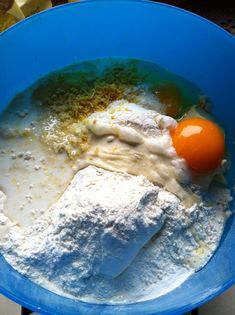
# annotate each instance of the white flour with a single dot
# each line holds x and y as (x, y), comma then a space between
(96, 243)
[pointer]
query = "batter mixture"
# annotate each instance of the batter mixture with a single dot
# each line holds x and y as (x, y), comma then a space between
(131, 225)
(112, 191)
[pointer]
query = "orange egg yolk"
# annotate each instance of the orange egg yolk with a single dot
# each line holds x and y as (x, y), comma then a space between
(200, 142)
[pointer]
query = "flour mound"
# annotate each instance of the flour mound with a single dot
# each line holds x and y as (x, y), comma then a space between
(116, 238)
(98, 226)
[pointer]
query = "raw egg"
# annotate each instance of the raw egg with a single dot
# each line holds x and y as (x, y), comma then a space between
(200, 142)
(171, 97)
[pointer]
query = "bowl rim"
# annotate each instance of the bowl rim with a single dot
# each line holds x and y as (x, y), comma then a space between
(144, 2)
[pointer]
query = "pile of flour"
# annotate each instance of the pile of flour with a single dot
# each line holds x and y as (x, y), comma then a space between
(116, 238)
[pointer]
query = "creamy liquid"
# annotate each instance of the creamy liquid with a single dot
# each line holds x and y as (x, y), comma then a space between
(32, 176)
(129, 138)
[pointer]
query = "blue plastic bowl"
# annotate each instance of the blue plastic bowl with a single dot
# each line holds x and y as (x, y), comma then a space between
(175, 39)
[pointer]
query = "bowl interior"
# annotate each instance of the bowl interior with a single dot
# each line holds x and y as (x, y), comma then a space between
(179, 41)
